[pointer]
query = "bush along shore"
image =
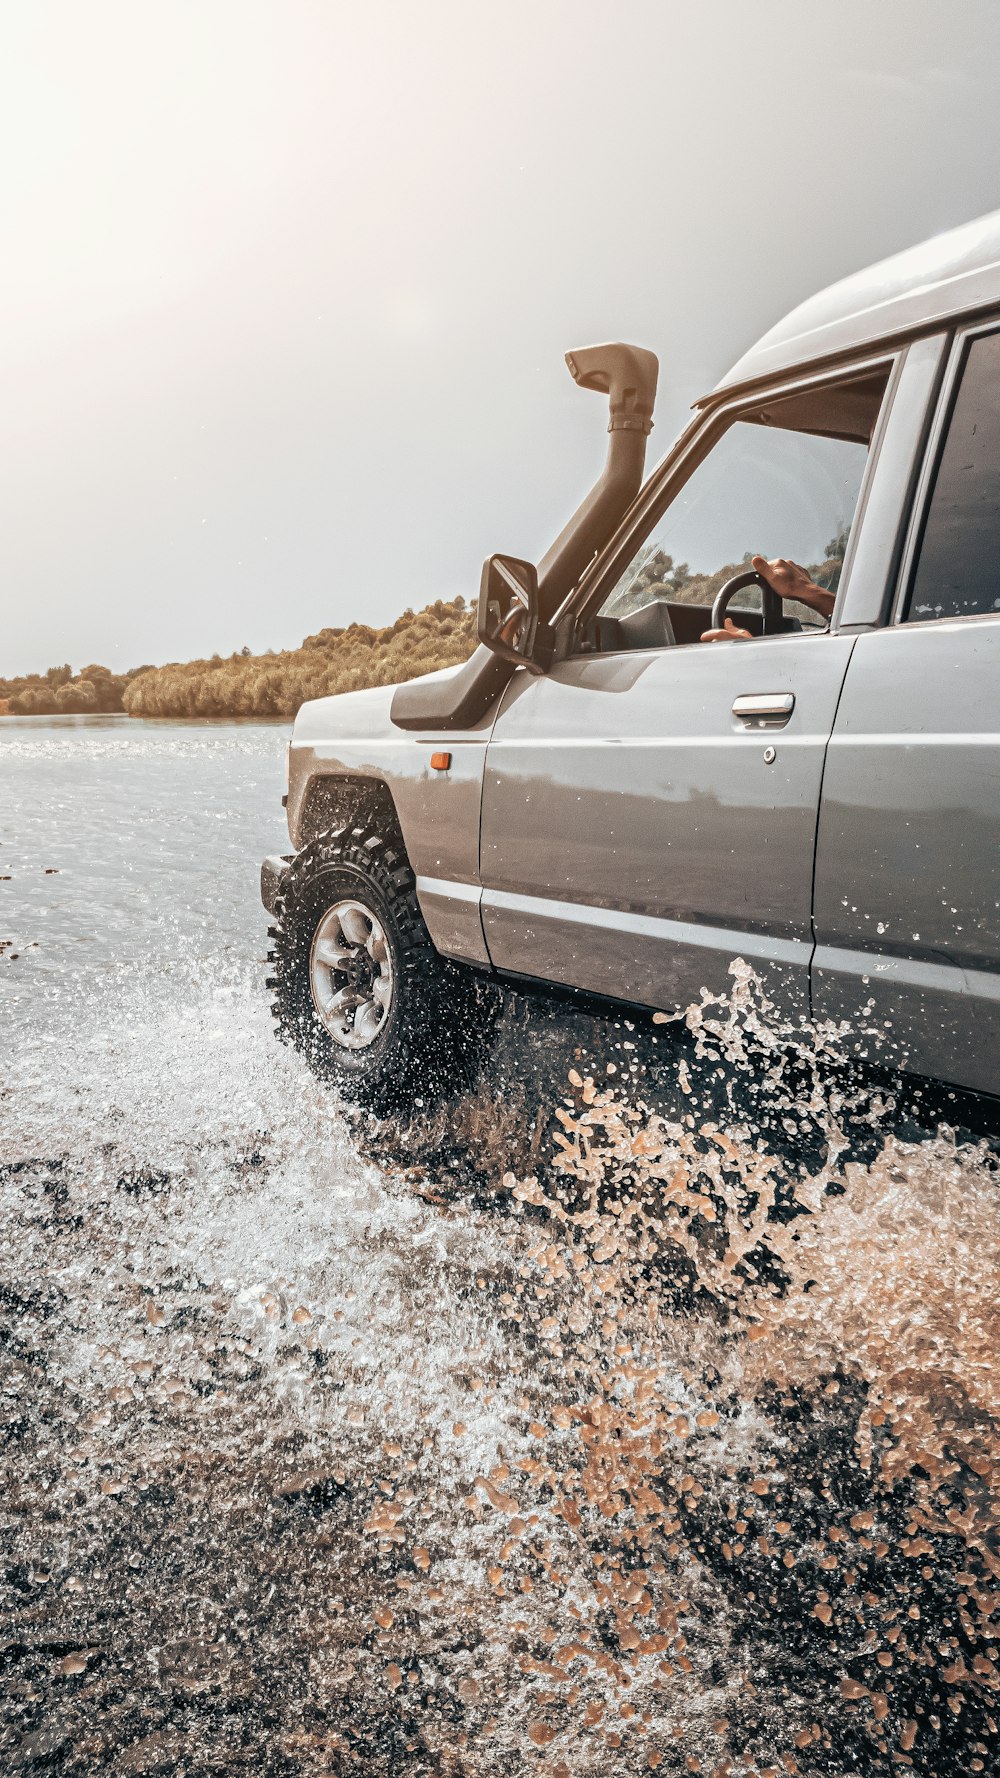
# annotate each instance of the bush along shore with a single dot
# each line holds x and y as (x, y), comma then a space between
(245, 684)
(61, 692)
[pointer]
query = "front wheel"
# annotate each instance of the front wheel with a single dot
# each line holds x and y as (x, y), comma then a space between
(358, 986)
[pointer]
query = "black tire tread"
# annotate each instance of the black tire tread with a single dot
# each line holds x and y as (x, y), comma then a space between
(438, 1016)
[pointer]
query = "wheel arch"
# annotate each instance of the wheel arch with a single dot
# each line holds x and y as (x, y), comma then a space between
(332, 799)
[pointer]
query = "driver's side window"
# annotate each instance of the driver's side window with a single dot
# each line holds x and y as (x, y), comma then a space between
(781, 481)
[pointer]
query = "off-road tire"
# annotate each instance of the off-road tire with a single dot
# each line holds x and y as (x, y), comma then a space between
(434, 1034)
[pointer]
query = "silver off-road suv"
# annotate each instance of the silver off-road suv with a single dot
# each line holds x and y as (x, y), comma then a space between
(600, 801)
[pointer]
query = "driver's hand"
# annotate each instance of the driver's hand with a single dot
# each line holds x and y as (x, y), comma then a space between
(730, 633)
(792, 582)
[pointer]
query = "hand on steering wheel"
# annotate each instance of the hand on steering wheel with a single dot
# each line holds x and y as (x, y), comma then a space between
(729, 632)
(722, 628)
(784, 580)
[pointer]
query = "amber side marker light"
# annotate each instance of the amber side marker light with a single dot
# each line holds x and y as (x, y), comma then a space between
(440, 761)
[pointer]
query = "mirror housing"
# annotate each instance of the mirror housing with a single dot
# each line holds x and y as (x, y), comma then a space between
(508, 621)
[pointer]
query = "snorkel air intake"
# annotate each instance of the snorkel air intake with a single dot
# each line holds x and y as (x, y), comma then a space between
(627, 375)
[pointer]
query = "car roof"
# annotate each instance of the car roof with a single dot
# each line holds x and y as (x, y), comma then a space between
(941, 278)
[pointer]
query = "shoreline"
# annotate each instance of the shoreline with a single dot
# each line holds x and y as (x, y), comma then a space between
(65, 718)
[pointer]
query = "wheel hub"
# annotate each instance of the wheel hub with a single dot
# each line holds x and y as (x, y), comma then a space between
(350, 974)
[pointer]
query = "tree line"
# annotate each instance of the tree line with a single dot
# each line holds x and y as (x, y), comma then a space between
(61, 692)
(349, 658)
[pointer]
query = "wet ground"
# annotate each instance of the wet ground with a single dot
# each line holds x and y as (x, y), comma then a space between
(638, 1412)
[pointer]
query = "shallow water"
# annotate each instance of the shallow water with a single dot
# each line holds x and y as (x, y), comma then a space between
(129, 845)
(664, 1441)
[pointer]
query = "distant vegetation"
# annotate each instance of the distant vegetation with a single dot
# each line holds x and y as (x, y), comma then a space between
(61, 692)
(245, 684)
(331, 661)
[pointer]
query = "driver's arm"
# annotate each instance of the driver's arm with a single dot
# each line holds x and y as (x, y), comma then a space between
(789, 581)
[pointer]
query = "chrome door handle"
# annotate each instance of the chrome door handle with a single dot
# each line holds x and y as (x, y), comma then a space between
(764, 709)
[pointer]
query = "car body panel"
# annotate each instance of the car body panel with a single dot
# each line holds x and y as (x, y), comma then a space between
(636, 838)
(940, 280)
(908, 853)
(868, 582)
(351, 736)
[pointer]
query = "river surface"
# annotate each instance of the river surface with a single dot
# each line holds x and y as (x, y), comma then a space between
(639, 1413)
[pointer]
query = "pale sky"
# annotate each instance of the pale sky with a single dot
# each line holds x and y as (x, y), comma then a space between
(287, 284)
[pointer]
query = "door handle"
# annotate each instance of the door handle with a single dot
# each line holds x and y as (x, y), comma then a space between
(764, 709)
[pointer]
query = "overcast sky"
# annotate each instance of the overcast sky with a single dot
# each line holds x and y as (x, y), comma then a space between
(287, 283)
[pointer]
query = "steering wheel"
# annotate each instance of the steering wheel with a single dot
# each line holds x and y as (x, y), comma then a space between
(770, 603)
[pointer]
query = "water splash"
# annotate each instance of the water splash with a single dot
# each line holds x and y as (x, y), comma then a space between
(660, 1434)
(789, 1418)
(632, 1414)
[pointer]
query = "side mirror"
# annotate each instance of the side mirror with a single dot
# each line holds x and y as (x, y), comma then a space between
(509, 622)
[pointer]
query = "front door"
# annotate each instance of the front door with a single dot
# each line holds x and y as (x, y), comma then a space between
(649, 806)
(638, 836)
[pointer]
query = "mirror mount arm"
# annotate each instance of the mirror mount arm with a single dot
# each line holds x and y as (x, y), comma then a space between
(542, 650)
(539, 652)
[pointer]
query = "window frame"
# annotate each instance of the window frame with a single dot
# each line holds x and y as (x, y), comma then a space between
(936, 443)
(694, 444)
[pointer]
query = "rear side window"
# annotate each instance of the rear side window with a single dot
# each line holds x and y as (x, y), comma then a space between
(958, 568)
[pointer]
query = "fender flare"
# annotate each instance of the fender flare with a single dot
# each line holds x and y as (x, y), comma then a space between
(332, 799)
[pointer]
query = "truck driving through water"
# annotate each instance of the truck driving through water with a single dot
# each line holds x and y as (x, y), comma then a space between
(598, 802)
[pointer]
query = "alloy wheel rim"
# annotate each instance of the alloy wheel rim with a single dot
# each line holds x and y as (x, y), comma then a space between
(351, 975)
